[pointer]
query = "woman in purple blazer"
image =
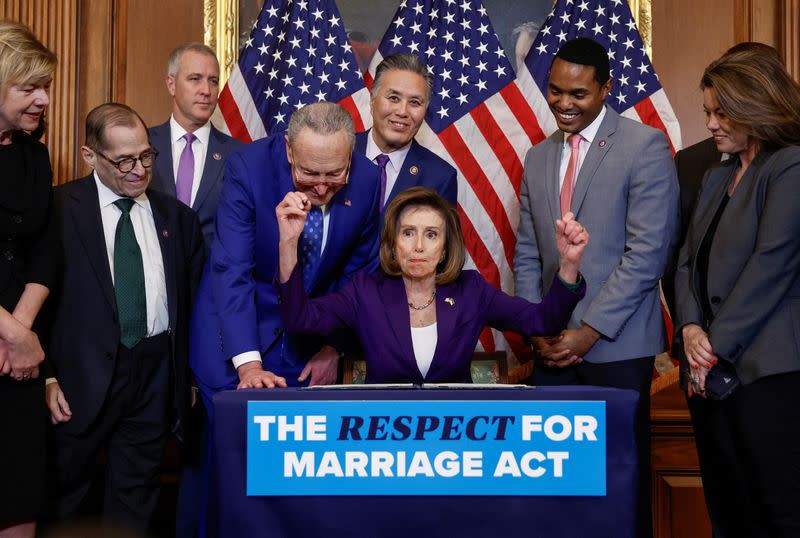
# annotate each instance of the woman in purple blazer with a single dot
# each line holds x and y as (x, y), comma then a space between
(419, 317)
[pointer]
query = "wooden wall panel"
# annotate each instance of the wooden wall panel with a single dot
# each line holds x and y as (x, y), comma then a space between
(687, 36)
(154, 28)
(55, 24)
(790, 36)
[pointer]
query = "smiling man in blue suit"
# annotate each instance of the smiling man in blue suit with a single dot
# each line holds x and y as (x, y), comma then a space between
(237, 338)
(398, 102)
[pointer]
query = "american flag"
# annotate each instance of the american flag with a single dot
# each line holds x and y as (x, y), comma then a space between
(636, 94)
(477, 120)
(297, 53)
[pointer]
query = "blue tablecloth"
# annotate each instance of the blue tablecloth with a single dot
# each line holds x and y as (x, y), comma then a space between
(232, 514)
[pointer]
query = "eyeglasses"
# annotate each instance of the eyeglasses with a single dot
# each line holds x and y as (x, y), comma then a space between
(303, 179)
(127, 164)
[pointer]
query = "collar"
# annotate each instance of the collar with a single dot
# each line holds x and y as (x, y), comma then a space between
(177, 132)
(590, 131)
(396, 157)
(107, 197)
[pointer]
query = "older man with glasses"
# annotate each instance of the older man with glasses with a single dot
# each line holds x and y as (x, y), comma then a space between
(238, 340)
(117, 361)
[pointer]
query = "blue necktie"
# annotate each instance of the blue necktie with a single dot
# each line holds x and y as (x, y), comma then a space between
(382, 161)
(311, 246)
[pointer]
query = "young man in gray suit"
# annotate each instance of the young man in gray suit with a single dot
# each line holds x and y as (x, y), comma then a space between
(192, 151)
(618, 177)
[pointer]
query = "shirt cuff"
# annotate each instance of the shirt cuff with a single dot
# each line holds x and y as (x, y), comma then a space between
(244, 358)
(574, 286)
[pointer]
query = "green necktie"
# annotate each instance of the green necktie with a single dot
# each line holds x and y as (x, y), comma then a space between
(129, 279)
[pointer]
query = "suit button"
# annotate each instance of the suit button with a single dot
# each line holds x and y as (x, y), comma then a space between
(715, 300)
(17, 219)
(109, 355)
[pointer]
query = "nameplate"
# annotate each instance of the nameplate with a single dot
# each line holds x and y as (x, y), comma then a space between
(426, 448)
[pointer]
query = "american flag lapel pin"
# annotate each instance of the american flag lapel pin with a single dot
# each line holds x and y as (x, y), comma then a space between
(165, 233)
(217, 156)
(450, 301)
(347, 202)
(602, 143)
(414, 170)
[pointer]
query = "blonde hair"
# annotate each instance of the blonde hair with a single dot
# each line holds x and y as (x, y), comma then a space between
(23, 58)
(449, 269)
(756, 92)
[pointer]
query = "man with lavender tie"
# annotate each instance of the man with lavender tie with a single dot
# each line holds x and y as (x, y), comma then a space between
(618, 178)
(398, 102)
(192, 156)
(192, 151)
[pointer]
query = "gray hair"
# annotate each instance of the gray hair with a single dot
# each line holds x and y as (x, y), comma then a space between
(175, 56)
(322, 118)
(402, 62)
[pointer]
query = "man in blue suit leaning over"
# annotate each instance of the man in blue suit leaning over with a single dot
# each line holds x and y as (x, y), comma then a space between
(398, 102)
(237, 339)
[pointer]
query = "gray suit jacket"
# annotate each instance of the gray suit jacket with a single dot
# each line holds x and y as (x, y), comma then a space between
(220, 146)
(626, 196)
(754, 265)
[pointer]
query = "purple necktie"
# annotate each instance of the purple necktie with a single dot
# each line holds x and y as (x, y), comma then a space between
(183, 184)
(382, 159)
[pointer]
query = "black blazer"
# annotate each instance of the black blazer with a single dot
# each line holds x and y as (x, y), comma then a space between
(691, 164)
(85, 332)
(754, 266)
(28, 238)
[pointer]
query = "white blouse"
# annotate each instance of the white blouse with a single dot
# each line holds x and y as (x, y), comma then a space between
(424, 342)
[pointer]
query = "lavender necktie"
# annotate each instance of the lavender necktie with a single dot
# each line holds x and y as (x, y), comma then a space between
(382, 160)
(183, 184)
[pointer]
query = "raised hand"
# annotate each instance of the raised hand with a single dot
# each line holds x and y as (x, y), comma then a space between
(291, 213)
(571, 240)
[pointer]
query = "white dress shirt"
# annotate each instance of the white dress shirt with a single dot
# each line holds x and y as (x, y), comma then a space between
(393, 167)
(589, 133)
(255, 355)
(144, 227)
(424, 341)
(199, 149)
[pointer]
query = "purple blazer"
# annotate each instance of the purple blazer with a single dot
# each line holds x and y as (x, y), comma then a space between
(376, 308)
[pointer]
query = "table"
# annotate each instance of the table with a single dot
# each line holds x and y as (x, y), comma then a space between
(233, 514)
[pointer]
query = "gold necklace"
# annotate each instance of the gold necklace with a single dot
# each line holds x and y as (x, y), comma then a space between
(426, 305)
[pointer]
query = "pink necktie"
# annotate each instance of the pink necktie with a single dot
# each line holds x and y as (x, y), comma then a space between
(572, 171)
(183, 184)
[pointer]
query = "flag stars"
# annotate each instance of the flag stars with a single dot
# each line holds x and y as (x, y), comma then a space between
(320, 96)
(500, 71)
(343, 65)
(564, 18)
(444, 93)
(542, 48)
(396, 41)
(465, 6)
(450, 18)
(631, 25)
(628, 43)
(446, 74)
(462, 99)
(328, 59)
(418, 9)
(283, 98)
(447, 55)
(481, 85)
(481, 66)
(626, 62)
(259, 67)
(330, 40)
(620, 98)
(334, 21)
(583, 6)
(581, 24)
(442, 112)
(304, 87)
(341, 84)
(317, 14)
(463, 79)
(482, 48)
(597, 29)
(279, 117)
(448, 36)
(413, 47)
(561, 36)
(483, 29)
(614, 19)
(248, 43)
(640, 87)
(642, 68)
(416, 28)
(273, 73)
(273, 11)
(267, 31)
(295, 42)
(314, 33)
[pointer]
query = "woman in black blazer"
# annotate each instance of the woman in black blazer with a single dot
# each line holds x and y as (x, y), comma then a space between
(28, 259)
(737, 290)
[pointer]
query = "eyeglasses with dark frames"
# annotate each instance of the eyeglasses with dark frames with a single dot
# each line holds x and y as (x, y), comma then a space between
(147, 158)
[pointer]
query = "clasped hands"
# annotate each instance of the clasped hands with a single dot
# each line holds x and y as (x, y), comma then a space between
(700, 356)
(566, 348)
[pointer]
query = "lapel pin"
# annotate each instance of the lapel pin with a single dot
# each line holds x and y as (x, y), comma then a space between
(347, 202)
(414, 170)
(165, 233)
(602, 143)
(217, 156)
(449, 300)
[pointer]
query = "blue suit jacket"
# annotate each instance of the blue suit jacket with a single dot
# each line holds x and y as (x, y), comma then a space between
(430, 171)
(220, 146)
(236, 308)
(375, 306)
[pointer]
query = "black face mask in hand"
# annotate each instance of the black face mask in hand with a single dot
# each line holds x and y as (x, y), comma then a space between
(721, 381)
